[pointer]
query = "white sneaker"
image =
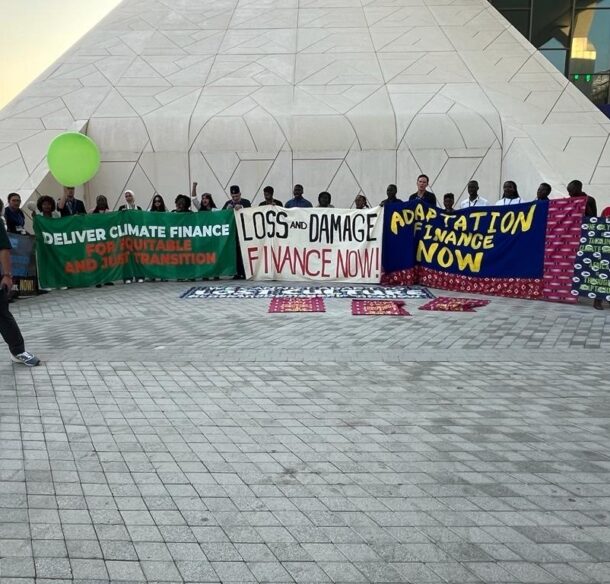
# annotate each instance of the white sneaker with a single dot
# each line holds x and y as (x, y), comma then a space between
(127, 281)
(26, 358)
(140, 280)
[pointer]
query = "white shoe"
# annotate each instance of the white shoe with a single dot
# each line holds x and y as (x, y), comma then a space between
(26, 358)
(140, 280)
(127, 281)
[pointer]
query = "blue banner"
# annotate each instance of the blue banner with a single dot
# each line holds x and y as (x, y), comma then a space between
(484, 242)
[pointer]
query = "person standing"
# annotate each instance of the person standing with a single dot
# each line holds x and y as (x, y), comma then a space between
(324, 200)
(575, 190)
(361, 202)
(9, 329)
(130, 202)
(268, 198)
(448, 203)
(237, 202)
(473, 200)
(510, 195)
(298, 200)
(101, 205)
(14, 216)
(46, 207)
(70, 205)
(422, 193)
(391, 195)
(183, 204)
(158, 204)
(543, 192)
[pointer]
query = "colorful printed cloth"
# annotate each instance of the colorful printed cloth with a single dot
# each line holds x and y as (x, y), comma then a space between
(297, 305)
(363, 292)
(378, 308)
(448, 304)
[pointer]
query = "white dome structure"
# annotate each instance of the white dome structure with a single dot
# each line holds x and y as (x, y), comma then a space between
(338, 95)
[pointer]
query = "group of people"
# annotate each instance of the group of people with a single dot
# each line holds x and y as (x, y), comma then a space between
(68, 204)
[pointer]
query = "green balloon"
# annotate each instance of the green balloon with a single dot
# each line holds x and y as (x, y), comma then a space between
(73, 159)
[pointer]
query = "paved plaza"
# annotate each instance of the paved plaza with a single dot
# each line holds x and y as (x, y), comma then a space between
(168, 440)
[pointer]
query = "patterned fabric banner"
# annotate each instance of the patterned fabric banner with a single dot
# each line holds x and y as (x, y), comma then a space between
(592, 267)
(520, 251)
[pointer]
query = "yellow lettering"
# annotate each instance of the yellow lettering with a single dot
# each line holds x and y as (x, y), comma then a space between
(524, 222)
(477, 239)
(461, 223)
(465, 239)
(419, 212)
(477, 216)
(451, 238)
(432, 214)
(444, 257)
(440, 234)
(507, 221)
(468, 261)
(408, 215)
(427, 253)
(396, 222)
(494, 218)
(488, 242)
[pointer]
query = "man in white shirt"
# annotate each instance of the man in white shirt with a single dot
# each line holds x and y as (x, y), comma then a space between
(473, 199)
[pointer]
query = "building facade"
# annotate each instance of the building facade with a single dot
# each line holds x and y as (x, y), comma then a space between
(573, 34)
(344, 96)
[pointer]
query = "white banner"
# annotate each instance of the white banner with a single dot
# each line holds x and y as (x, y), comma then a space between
(311, 244)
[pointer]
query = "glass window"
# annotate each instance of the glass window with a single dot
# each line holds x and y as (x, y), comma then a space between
(503, 4)
(591, 42)
(551, 22)
(520, 19)
(558, 58)
(595, 87)
(592, 3)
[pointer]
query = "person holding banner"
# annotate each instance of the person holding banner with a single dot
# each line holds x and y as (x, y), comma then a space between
(158, 204)
(473, 200)
(130, 202)
(575, 190)
(236, 202)
(14, 216)
(543, 192)
(391, 195)
(324, 199)
(422, 193)
(9, 329)
(46, 207)
(70, 205)
(183, 204)
(298, 200)
(449, 203)
(268, 198)
(361, 202)
(510, 195)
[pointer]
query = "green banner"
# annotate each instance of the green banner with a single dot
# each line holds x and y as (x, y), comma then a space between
(84, 250)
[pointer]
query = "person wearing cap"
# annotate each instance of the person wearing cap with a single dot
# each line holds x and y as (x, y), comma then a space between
(130, 202)
(236, 202)
(298, 200)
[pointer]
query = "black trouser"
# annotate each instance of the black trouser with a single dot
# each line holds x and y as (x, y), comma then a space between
(8, 327)
(240, 262)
